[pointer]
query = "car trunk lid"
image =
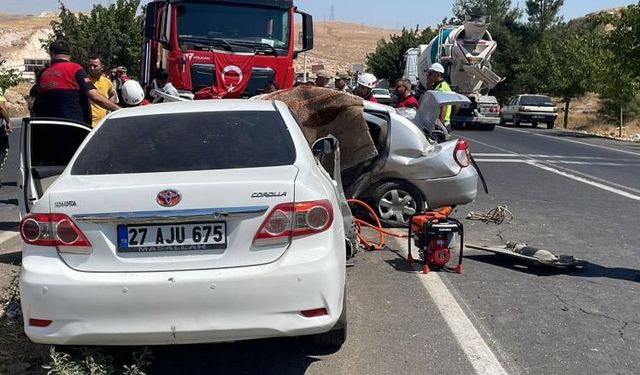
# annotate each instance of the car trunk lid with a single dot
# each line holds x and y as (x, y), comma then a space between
(171, 211)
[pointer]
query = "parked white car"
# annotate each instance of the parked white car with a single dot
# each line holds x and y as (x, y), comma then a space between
(531, 109)
(187, 222)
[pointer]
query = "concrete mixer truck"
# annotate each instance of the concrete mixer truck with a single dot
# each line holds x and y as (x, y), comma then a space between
(465, 51)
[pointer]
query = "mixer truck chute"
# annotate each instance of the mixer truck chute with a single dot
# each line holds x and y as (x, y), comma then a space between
(465, 52)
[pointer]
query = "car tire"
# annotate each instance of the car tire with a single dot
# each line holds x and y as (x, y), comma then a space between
(534, 124)
(502, 122)
(550, 125)
(335, 338)
(516, 122)
(391, 203)
(489, 127)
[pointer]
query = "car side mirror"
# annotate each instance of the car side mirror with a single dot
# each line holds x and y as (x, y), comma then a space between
(324, 146)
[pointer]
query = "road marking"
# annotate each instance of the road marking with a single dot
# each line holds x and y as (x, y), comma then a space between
(7, 235)
(574, 141)
(584, 180)
(587, 179)
(467, 336)
(602, 164)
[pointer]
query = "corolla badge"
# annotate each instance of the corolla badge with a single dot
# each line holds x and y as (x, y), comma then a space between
(168, 198)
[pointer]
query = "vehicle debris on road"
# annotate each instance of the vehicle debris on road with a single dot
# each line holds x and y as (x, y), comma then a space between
(536, 255)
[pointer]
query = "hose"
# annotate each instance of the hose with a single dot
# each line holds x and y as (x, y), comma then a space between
(495, 215)
(377, 227)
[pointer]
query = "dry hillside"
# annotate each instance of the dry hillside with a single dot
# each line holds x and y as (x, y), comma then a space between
(339, 45)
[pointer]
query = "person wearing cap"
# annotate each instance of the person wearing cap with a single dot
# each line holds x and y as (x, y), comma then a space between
(322, 78)
(405, 96)
(435, 78)
(341, 81)
(65, 89)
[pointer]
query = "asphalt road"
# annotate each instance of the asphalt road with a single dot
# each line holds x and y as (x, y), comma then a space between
(570, 193)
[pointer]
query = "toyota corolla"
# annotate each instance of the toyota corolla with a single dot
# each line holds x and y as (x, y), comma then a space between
(188, 222)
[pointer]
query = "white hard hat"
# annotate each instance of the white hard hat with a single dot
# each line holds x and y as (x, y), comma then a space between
(132, 92)
(367, 80)
(436, 67)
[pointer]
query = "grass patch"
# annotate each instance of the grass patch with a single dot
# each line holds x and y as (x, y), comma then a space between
(18, 355)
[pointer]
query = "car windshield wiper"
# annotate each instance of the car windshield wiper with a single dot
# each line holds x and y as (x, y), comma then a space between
(207, 41)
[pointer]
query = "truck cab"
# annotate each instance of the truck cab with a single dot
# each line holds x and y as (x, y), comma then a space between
(183, 37)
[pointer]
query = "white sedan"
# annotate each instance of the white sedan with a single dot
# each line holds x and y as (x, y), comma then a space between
(188, 222)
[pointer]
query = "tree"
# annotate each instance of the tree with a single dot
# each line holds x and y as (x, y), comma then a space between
(387, 60)
(543, 14)
(620, 51)
(113, 32)
(565, 63)
(8, 77)
(498, 10)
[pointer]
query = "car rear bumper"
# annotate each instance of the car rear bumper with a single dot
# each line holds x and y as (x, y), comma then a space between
(450, 191)
(158, 308)
(536, 117)
(475, 120)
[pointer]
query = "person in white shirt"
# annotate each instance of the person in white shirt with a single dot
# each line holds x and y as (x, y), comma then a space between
(163, 84)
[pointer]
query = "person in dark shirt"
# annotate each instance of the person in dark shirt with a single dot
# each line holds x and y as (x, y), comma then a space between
(64, 88)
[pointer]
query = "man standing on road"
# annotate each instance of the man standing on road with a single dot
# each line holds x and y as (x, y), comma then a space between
(435, 78)
(341, 81)
(65, 88)
(104, 87)
(4, 134)
(405, 96)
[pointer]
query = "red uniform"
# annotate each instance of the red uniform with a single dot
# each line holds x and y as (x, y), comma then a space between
(372, 98)
(408, 102)
(62, 92)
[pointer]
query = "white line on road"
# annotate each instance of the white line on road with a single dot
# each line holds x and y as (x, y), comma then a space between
(488, 160)
(469, 339)
(574, 141)
(7, 235)
(588, 179)
(476, 349)
(584, 180)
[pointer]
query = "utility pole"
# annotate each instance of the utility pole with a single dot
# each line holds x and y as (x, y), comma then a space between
(332, 13)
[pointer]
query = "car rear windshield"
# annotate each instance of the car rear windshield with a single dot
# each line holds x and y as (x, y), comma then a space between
(187, 142)
(539, 101)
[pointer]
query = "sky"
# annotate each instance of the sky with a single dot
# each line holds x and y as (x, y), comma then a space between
(383, 13)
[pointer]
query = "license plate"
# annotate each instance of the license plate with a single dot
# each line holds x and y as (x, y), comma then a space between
(537, 117)
(172, 237)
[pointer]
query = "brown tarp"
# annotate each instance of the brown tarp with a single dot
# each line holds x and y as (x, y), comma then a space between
(322, 112)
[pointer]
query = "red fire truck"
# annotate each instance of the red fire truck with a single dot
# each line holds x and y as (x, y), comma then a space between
(254, 39)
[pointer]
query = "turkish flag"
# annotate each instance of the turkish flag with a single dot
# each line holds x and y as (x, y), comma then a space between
(233, 72)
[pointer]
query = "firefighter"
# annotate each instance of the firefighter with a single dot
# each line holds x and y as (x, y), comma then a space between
(405, 96)
(366, 84)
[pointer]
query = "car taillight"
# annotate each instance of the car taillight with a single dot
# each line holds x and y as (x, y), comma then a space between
(288, 220)
(54, 230)
(461, 153)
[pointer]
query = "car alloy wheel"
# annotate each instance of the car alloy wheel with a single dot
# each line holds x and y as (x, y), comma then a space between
(395, 204)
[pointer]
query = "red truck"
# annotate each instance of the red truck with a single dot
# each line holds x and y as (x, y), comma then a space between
(255, 40)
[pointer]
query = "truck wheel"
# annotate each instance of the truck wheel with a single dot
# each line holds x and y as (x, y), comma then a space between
(335, 338)
(550, 125)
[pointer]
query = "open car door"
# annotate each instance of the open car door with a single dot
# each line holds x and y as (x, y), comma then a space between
(46, 147)
(430, 104)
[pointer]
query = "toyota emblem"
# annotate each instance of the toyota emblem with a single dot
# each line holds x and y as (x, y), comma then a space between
(168, 198)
